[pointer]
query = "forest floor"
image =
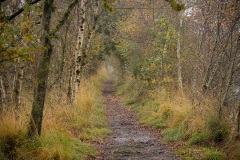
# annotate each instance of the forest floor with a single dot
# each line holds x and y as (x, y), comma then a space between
(129, 140)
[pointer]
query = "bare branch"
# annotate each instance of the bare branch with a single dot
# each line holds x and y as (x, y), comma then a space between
(64, 18)
(9, 18)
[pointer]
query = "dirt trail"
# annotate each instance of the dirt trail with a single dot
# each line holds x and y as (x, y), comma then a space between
(129, 140)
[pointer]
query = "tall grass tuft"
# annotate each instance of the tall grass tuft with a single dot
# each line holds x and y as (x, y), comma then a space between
(175, 113)
(68, 132)
(12, 133)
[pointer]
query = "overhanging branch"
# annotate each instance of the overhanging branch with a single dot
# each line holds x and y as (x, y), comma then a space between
(9, 18)
(64, 18)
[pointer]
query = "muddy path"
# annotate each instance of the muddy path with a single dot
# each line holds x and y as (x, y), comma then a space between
(129, 140)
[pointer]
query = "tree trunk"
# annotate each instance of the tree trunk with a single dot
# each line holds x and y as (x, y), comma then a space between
(236, 111)
(95, 19)
(78, 50)
(44, 66)
(179, 70)
(70, 80)
(238, 122)
(196, 71)
(163, 53)
(3, 95)
(8, 90)
(18, 89)
(42, 73)
(62, 62)
(235, 127)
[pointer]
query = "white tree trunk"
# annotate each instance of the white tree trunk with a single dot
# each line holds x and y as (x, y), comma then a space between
(78, 49)
(18, 85)
(18, 88)
(17, 92)
(179, 66)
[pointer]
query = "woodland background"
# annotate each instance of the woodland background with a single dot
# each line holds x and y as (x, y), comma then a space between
(178, 61)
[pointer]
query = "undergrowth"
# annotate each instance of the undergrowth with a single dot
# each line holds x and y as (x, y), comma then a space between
(177, 116)
(201, 153)
(68, 132)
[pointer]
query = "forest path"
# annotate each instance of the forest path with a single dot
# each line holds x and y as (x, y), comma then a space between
(129, 140)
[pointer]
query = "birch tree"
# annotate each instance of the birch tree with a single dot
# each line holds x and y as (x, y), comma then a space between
(179, 65)
(18, 87)
(84, 38)
(78, 54)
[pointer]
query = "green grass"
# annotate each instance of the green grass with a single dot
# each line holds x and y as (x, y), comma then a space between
(153, 120)
(201, 153)
(55, 145)
(174, 134)
(217, 128)
(189, 158)
(173, 113)
(213, 155)
(67, 132)
(158, 123)
(189, 153)
(198, 138)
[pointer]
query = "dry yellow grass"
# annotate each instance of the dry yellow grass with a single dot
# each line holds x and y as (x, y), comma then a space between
(175, 112)
(64, 127)
(181, 109)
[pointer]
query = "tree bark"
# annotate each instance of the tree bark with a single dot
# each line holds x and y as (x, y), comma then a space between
(78, 50)
(94, 23)
(163, 53)
(62, 63)
(42, 73)
(238, 121)
(70, 80)
(44, 66)
(14, 15)
(179, 66)
(3, 95)
(18, 89)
